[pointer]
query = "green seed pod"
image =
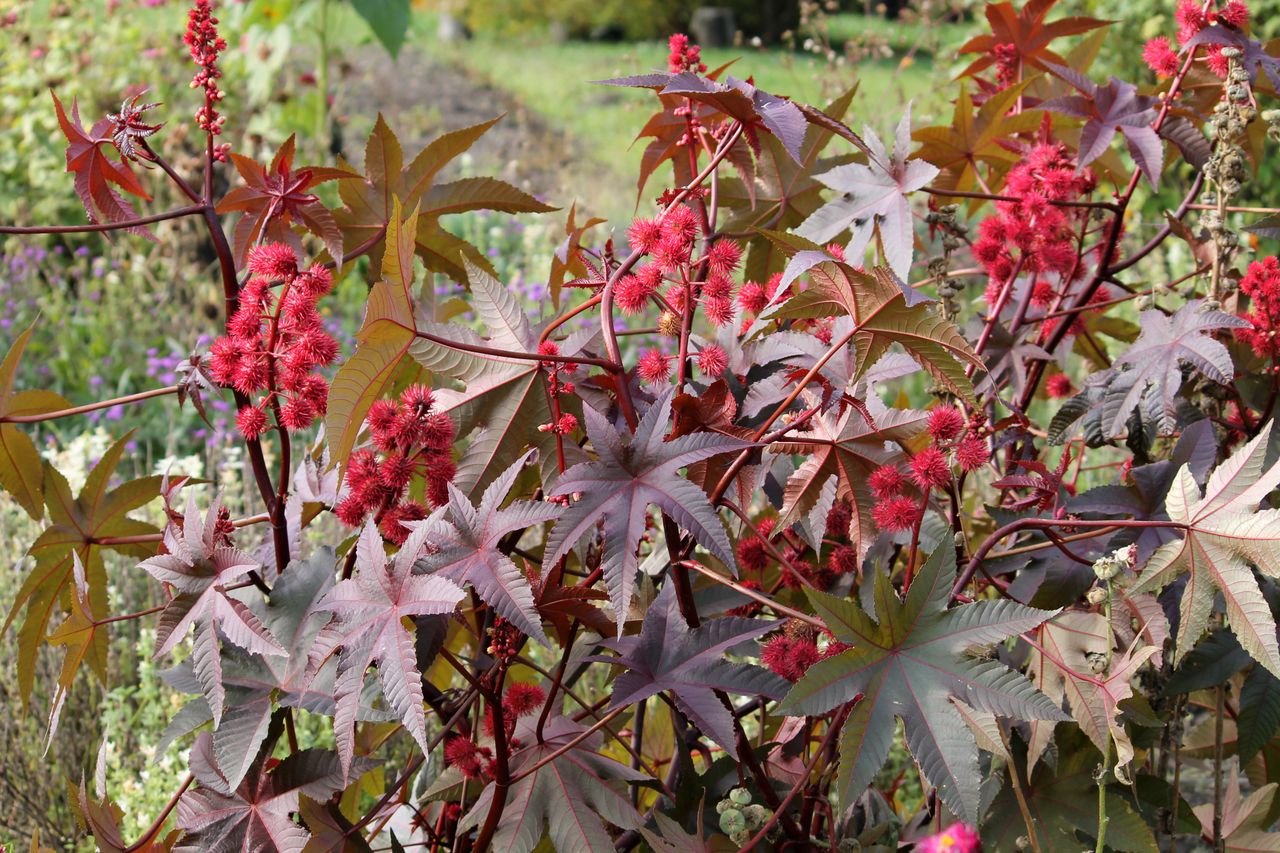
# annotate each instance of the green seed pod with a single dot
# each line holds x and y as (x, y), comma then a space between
(724, 805)
(741, 796)
(732, 821)
(756, 815)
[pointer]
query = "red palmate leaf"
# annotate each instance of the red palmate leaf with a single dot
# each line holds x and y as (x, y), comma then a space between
(276, 197)
(95, 172)
(1027, 32)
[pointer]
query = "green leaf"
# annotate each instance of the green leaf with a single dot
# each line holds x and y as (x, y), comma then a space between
(20, 466)
(78, 524)
(908, 659)
(389, 20)
(1259, 717)
(1063, 801)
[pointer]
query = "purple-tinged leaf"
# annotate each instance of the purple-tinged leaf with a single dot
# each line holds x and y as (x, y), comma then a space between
(1152, 367)
(200, 566)
(566, 798)
(1116, 107)
(873, 197)
(690, 665)
(368, 628)
(619, 489)
(1253, 57)
(463, 546)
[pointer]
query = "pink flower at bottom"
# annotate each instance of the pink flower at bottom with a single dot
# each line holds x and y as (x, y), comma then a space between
(957, 838)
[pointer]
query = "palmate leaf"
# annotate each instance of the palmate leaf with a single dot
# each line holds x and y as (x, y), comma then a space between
(257, 814)
(873, 200)
(1244, 819)
(782, 192)
(200, 568)
(276, 197)
(369, 609)
(976, 137)
(1151, 369)
(102, 819)
(504, 398)
(21, 471)
(384, 339)
(1115, 107)
(76, 633)
(253, 681)
(849, 449)
(1143, 498)
(1223, 536)
(566, 799)
(627, 479)
(1063, 801)
(78, 524)
(884, 314)
(908, 659)
(369, 199)
(690, 666)
(566, 261)
(1070, 642)
(1027, 31)
(96, 172)
(735, 99)
(1253, 54)
(464, 541)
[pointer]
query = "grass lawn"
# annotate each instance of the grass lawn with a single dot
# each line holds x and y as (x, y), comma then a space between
(553, 80)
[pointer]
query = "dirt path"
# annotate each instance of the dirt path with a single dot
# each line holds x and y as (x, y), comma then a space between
(421, 97)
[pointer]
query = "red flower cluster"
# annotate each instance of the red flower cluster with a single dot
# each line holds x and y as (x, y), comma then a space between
(1160, 57)
(471, 760)
(518, 700)
(790, 657)
(1058, 386)
(684, 55)
(414, 441)
(669, 242)
(1008, 64)
(955, 441)
(751, 551)
(1041, 233)
(274, 344)
(654, 367)
(712, 361)
(1192, 17)
(1261, 284)
(205, 44)
(564, 422)
(791, 653)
